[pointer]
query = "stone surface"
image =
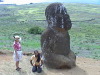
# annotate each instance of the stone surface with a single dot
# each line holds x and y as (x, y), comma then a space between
(55, 40)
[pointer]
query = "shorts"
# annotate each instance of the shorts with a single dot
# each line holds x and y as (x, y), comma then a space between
(19, 56)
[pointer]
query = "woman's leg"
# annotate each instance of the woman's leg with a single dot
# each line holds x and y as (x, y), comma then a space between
(34, 69)
(17, 64)
(19, 58)
(39, 69)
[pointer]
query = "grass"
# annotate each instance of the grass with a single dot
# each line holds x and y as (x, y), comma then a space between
(85, 36)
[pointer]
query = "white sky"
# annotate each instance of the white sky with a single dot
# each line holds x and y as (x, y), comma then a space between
(24, 1)
(38, 1)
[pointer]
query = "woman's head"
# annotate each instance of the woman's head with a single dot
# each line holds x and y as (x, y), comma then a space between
(17, 38)
(36, 52)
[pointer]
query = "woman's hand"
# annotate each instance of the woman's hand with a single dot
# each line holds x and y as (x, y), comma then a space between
(34, 64)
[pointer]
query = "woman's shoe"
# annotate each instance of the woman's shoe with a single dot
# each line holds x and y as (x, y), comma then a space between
(18, 69)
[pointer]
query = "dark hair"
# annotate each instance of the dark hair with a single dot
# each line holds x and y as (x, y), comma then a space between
(38, 56)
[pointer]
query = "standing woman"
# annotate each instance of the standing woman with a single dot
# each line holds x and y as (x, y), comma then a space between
(17, 51)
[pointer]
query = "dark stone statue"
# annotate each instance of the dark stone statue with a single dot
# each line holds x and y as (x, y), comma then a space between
(55, 40)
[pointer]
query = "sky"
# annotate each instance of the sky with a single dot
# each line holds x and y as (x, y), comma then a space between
(38, 1)
(25, 1)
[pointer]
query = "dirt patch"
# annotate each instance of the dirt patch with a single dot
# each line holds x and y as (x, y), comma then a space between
(5, 52)
(1, 53)
(85, 66)
(5, 58)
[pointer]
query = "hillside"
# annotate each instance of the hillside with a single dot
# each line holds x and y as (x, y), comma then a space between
(18, 19)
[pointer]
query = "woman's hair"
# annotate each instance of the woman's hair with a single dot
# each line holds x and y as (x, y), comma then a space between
(38, 56)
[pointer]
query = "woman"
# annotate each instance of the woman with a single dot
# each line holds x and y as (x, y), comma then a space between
(17, 51)
(36, 62)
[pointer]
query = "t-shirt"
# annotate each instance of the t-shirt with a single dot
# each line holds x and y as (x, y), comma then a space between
(34, 60)
(17, 46)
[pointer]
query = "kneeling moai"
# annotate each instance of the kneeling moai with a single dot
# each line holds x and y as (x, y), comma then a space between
(55, 40)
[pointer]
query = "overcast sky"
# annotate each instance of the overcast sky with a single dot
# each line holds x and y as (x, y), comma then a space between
(25, 1)
(38, 1)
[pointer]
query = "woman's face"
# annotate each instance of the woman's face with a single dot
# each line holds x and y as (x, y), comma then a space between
(17, 40)
(36, 53)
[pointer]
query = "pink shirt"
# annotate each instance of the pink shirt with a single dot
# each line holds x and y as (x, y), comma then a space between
(17, 46)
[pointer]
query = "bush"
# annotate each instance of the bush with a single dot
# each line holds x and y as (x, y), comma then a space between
(35, 30)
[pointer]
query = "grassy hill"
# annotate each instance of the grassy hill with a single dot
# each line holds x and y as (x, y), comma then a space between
(18, 19)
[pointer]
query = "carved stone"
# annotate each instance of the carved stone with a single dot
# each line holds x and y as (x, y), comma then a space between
(55, 40)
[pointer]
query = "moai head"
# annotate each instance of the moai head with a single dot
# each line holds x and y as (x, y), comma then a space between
(57, 17)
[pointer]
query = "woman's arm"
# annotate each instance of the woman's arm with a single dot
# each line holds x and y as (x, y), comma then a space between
(31, 62)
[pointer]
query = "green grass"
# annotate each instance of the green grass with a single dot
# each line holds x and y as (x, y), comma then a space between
(85, 36)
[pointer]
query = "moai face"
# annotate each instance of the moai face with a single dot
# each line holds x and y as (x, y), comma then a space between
(56, 16)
